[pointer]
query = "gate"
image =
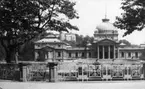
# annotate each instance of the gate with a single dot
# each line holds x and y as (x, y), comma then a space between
(83, 72)
(127, 72)
(37, 72)
(95, 71)
(117, 71)
(136, 71)
(67, 71)
(106, 72)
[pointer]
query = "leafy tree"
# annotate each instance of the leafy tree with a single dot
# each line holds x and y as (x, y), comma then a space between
(82, 41)
(26, 52)
(133, 17)
(23, 20)
(142, 57)
(125, 42)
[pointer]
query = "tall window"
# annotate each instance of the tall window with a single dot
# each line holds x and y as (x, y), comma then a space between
(136, 54)
(69, 54)
(83, 54)
(129, 54)
(89, 54)
(76, 54)
(122, 54)
(59, 54)
(59, 45)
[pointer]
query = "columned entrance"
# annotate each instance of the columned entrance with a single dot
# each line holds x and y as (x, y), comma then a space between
(106, 51)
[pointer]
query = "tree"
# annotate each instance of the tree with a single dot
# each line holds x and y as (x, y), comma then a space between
(142, 57)
(125, 42)
(23, 20)
(84, 40)
(133, 17)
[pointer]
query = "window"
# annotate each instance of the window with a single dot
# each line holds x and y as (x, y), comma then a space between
(69, 54)
(59, 54)
(122, 54)
(136, 54)
(83, 54)
(59, 45)
(89, 54)
(76, 54)
(129, 54)
(38, 45)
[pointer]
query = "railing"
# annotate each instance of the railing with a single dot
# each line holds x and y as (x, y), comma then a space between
(72, 71)
(10, 72)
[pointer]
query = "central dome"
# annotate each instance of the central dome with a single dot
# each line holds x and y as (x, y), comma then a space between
(105, 25)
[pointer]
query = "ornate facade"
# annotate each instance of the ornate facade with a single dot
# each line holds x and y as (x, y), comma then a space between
(105, 47)
(105, 58)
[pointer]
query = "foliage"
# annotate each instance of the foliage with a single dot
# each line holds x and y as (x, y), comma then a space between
(23, 20)
(125, 42)
(142, 57)
(26, 52)
(82, 41)
(133, 17)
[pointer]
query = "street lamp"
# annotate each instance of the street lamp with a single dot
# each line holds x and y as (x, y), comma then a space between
(87, 45)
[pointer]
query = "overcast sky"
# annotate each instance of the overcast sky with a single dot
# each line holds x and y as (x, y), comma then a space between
(91, 13)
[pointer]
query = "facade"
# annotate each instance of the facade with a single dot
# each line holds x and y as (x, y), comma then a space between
(106, 58)
(105, 46)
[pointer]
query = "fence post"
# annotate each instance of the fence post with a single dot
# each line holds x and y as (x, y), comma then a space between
(23, 72)
(52, 71)
(143, 70)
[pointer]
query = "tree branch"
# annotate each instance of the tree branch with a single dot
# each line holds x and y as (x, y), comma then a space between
(50, 16)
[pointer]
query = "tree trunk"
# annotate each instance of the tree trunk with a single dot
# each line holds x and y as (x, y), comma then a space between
(10, 55)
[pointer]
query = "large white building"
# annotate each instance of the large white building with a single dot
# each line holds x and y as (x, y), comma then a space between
(106, 58)
(106, 46)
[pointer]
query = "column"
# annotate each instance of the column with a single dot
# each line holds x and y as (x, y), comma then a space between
(54, 56)
(114, 51)
(52, 72)
(62, 55)
(109, 52)
(98, 51)
(45, 55)
(103, 52)
(118, 52)
(36, 56)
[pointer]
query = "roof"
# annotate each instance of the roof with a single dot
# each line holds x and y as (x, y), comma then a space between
(131, 48)
(49, 40)
(122, 44)
(106, 25)
(107, 40)
(77, 48)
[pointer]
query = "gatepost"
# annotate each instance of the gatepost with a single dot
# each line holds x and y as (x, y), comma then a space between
(23, 72)
(52, 71)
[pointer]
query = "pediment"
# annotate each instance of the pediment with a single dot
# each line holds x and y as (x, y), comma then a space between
(47, 48)
(106, 41)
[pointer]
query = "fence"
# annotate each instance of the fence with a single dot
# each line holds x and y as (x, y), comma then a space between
(89, 71)
(10, 72)
(70, 71)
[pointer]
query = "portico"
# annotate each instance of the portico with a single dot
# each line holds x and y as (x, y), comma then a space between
(106, 51)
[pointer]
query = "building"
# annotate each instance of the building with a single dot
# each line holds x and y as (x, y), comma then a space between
(106, 58)
(68, 36)
(106, 46)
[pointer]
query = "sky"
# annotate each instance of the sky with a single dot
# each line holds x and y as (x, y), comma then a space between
(91, 13)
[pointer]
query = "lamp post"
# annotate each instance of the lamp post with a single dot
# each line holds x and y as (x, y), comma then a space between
(87, 47)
